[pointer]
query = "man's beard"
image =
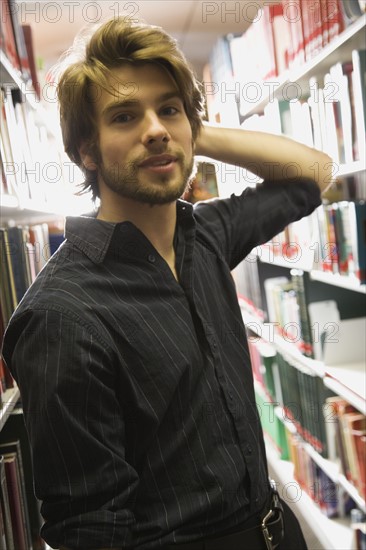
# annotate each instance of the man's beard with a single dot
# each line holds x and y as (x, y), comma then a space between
(125, 181)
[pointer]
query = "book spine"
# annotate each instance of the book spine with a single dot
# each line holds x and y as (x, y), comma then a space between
(5, 505)
(16, 511)
(360, 210)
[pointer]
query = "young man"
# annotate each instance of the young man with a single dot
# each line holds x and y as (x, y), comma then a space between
(129, 349)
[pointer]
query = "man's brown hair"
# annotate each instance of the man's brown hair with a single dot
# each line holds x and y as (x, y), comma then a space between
(114, 43)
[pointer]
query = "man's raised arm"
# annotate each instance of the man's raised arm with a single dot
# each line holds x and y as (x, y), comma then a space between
(271, 157)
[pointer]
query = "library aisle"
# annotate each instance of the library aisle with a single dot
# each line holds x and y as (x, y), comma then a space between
(302, 295)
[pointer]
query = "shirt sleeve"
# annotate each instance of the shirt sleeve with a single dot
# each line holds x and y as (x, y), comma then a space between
(240, 223)
(76, 429)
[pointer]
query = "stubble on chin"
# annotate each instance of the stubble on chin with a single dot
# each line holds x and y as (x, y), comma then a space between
(125, 181)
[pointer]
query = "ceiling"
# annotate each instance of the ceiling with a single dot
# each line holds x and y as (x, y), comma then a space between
(195, 24)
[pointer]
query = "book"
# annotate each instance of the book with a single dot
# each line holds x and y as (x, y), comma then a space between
(350, 11)
(8, 295)
(8, 162)
(354, 425)
(2, 532)
(17, 167)
(293, 13)
(8, 44)
(335, 19)
(15, 425)
(15, 502)
(19, 40)
(28, 39)
(5, 506)
(360, 211)
(9, 450)
(359, 437)
(281, 37)
(359, 92)
(18, 260)
(297, 277)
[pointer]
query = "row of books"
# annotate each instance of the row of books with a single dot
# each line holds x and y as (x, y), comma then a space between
(315, 23)
(16, 42)
(341, 239)
(326, 422)
(20, 518)
(287, 308)
(332, 500)
(329, 115)
(24, 250)
(287, 34)
(346, 433)
(32, 166)
(333, 235)
(246, 278)
(281, 429)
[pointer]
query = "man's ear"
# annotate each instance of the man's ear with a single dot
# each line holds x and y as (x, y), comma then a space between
(86, 158)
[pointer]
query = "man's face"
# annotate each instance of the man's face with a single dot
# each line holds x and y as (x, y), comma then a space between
(145, 139)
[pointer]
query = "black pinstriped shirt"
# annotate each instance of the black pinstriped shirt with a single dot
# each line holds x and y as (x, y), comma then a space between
(137, 390)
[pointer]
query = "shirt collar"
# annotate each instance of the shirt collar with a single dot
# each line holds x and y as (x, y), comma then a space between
(95, 237)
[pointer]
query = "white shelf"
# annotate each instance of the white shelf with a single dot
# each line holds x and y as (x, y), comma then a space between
(9, 399)
(351, 38)
(346, 380)
(351, 168)
(288, 349)
(266, 255)
(331, 534)
(350, 283)
(345, 391)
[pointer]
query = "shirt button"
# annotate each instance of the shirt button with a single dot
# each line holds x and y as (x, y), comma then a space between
(151, 258)
(231, 395)
(249, 449)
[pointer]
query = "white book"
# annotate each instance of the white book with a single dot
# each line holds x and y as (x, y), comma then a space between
(341, 81)
(358, 86)
(332, 142)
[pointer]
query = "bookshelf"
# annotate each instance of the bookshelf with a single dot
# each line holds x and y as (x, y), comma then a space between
(33, 206)
(326, 280)
(338, 50)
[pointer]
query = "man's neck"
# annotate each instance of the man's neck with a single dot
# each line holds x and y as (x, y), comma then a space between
(156, 222)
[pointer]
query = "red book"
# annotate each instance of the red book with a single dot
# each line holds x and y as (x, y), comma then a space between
(324, 22)
(335, 19)
(8, 44)
(9, 380)
(15, 502)
(281, 37)
(19, 40)
(27, 31)
(293, 13)
(355, 424)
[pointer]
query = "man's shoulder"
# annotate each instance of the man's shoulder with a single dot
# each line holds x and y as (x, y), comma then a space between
(61, 276)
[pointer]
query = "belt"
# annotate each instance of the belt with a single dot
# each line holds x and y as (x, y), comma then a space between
(265, 536)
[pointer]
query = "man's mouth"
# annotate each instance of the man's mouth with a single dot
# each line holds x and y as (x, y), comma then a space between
(156, 161)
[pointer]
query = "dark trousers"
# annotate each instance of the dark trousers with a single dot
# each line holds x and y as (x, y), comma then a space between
(293, 538)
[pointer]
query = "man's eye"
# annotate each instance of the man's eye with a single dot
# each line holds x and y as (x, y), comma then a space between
(123, 117)
(170, 111)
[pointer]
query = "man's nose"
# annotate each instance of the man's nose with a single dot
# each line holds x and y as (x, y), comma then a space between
(154, 130)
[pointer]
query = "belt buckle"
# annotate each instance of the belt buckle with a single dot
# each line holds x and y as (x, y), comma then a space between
(276, 506)
(268, 538)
